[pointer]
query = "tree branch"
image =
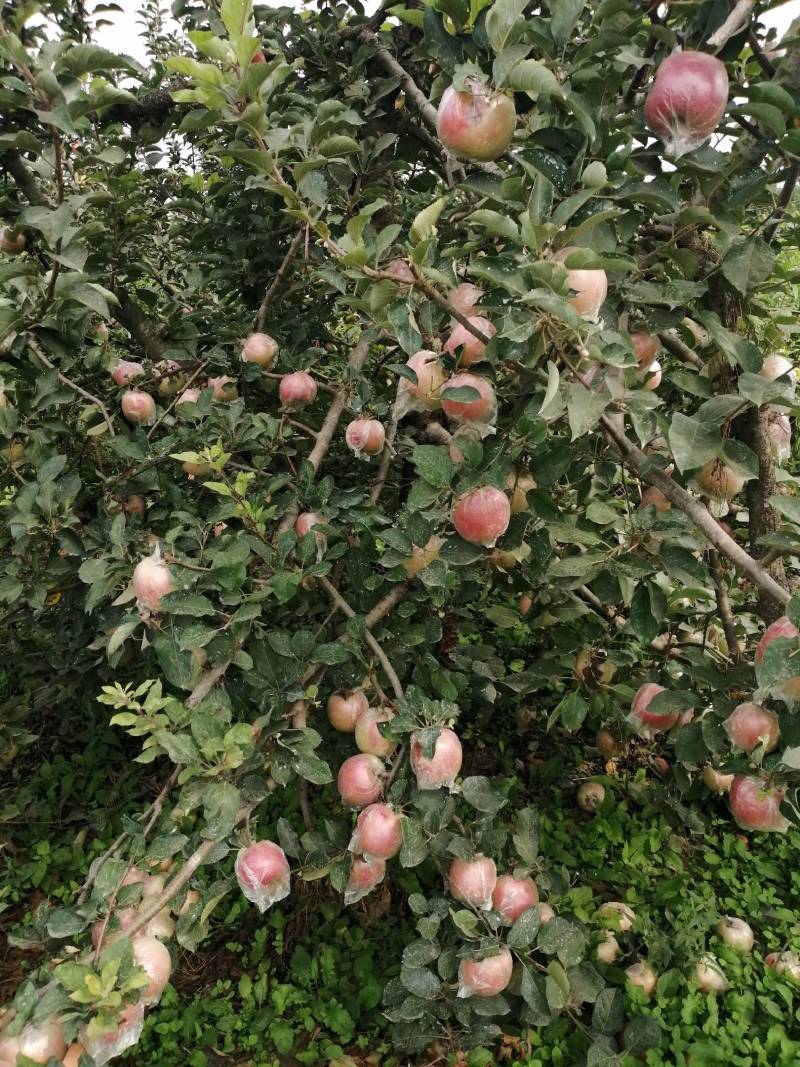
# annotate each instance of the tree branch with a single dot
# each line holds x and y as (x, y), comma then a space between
(142, 329)
(325, 436)
(42, 358)
(13, 162)
(638, 79)
(207, 683)
(345, 608)
(724, 605)
(199, 370)
(386, 455)
(414, 94)
(696, 511)
(761, 59)
(670, 340)
(174, 886)
(736, 21)
(783, 202)
(261, 317)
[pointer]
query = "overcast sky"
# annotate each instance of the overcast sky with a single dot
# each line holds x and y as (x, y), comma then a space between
(123, 36)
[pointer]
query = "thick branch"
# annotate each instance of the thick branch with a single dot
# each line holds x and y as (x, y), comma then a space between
(763, 519)
(207, 683)
(670, 340)
(13, 162)
(736, 21)
(420, 282)
(696, 511)
(143, 330)
(174, 886)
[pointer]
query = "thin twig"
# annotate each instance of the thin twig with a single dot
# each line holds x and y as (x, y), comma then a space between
(152, 812)
(261, 317)
(175, 400)
(345, 608)
(783, 202)
(760, 57)
(325, 436)
(33, 344)
(207, 683)
(638, 79)
(305, 804)
(724, 605)
(396, 765)
(388, 452)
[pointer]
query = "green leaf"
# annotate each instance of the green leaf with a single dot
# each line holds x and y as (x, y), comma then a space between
(121, 633)
(584, 408)
(504, 23)
(338, 146)
(771, 93)
(183, 603)
(690, 747)
(740, 350)
(442, 46)
(526, 838)
(314, 187)
(749, 263)
(642, 1033)
(533, 993)
(64, 922)
(221, 804)
(539, 160)
(425, 221)
(52, 223)
(534, 78)
(672, 294)
(235, 15)
(420, 981)
(482, 795)
(496, 224)
(608, 1013)
(523, 932)
(415, 846)
(565, 13)
(312, 768)
(434, 465)
(572, 711)
(767, 114)
(179, 747)
(564, 939)
(760, 391)
(693, 442)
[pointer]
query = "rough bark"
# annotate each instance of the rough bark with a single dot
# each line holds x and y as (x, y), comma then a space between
(763, 518)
